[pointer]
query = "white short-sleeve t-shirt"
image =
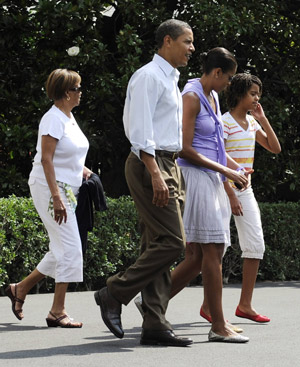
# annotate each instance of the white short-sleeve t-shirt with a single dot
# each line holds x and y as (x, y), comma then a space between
(240, 143)
(71, 148)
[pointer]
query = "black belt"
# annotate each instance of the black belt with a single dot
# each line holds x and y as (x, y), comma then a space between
(165, 153)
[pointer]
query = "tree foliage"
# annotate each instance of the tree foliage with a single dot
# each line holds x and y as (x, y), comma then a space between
(35, 35)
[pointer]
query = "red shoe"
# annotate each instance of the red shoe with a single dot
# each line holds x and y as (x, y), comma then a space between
(205, 316)
(256, 318)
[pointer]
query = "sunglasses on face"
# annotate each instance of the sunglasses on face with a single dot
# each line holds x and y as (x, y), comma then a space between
(76, 89)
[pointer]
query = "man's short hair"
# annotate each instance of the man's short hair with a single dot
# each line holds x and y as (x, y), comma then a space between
(171, 27)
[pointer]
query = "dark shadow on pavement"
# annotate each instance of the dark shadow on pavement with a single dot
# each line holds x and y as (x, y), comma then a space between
(112, 346)
(17, 327)
(268, 284)
(106, 344)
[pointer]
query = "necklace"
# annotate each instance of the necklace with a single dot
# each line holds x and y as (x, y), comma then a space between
(209, 95)
(210, 98)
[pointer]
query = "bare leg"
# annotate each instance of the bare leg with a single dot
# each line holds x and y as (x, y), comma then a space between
(212, 280)
(58, 306)
(25, 285)
(205, 309)
(250, 269)
(205, 306)
(188, 269)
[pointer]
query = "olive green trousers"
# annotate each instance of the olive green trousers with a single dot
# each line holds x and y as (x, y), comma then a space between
(162, 241)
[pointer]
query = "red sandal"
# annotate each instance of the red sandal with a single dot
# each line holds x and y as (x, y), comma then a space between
(14, 299)
(57, 322)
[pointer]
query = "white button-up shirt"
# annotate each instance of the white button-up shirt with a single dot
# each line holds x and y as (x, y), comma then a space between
(153, 108)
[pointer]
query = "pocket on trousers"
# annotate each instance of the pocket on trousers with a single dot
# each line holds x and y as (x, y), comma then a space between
(31, 181)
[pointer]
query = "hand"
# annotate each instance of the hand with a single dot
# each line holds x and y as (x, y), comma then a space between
(87, 173)
(60, 213)
(237, 177)
(258, 113)
(247, 173)
(236, 206)
(160, 191)
(159, 186)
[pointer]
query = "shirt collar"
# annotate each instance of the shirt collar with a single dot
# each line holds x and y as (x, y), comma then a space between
(166, 67)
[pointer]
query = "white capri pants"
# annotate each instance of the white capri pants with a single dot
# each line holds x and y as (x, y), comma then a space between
(63, 261)
(249, 226)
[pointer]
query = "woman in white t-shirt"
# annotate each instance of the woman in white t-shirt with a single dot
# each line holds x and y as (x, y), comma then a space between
(54, 181)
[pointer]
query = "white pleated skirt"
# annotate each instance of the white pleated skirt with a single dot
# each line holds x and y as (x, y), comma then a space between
(63, 261)
(206, 211)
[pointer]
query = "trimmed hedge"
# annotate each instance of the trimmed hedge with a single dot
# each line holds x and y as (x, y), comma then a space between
(282, 256)
(114, 243)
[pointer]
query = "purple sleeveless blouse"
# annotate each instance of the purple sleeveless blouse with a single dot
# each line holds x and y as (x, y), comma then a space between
(205, 137)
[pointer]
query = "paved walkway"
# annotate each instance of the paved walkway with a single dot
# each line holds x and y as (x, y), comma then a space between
(31, 343)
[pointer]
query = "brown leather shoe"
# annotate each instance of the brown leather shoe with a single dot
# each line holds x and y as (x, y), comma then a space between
(163, 337)
(110, 311)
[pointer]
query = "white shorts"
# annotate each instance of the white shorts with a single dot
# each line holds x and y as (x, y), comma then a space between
(64, 261)
(206, 213)
(249, 226)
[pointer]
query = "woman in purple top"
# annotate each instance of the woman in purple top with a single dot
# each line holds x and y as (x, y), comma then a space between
(205, 166)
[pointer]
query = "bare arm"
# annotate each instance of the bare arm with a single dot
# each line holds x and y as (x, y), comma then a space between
(48, 149)
(235, 204)
(231, 163)
(191, 108)
(266, 137)
(160, 188)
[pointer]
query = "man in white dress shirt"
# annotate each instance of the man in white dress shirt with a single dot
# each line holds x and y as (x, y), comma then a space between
(153, 124)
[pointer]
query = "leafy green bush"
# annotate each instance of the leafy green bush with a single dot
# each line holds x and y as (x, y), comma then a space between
(23, 238)
(282, 233)
(114, 243)
(282, 256)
